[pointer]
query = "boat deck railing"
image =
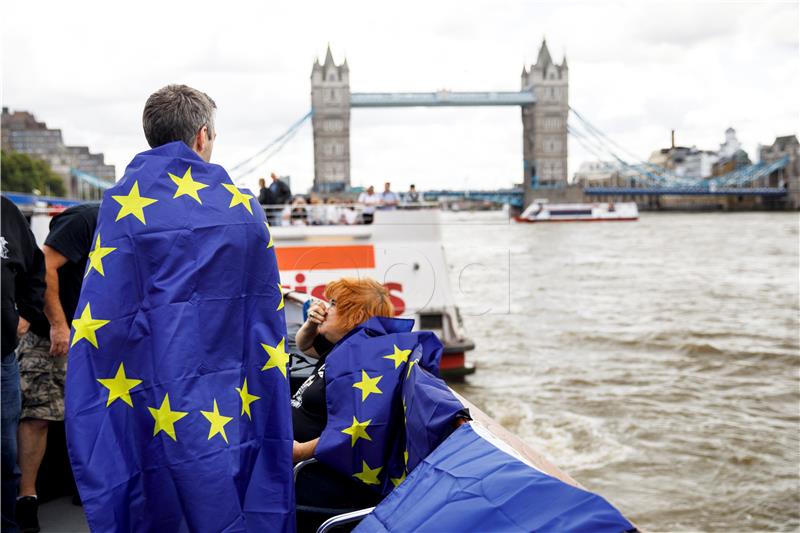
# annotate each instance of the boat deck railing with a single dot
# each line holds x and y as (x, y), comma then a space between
(332, 214)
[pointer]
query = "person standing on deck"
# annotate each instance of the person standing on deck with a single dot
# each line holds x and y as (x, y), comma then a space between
(178, 371)
(42, 352)
(389, 199)
(412, 196)
(281, 195)
(266, 197)
(369, 200)
(22, 297)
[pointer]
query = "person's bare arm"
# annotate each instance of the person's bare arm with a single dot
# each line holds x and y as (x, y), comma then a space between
(309, 330)
(304, 450)
(59, 327)
(22, 327)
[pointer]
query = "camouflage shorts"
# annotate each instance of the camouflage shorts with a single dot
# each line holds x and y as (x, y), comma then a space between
(41, 378)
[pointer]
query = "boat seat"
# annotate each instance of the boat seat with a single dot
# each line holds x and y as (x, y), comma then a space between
(324, 519)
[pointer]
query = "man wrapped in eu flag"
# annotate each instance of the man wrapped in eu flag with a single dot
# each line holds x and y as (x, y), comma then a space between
(176, 409)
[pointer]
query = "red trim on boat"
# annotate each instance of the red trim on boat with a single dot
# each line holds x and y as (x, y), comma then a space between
(452, 360)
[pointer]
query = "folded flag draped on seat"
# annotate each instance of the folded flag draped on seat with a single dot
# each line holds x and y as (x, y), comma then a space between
(177, 407)
(387, 409)
(473, 482)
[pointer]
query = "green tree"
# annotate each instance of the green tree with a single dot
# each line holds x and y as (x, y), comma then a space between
(21, 173)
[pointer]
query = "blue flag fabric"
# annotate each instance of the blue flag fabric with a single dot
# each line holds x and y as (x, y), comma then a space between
(470, 484)
(430, 409)
(177, 409)
(377, 378)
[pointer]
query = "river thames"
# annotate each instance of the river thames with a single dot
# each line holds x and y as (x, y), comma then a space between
(655, 361)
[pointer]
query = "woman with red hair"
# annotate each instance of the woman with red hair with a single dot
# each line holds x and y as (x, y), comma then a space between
(351, 302)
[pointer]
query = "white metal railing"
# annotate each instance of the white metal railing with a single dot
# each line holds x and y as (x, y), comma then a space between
(332, 214)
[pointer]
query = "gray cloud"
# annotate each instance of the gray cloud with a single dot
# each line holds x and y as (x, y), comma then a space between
(638, 69)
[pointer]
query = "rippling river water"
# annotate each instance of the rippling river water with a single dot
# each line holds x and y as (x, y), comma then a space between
(655, 361)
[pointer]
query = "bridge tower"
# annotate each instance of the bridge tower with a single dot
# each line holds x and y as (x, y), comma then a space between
(330, 101)
(544, 124)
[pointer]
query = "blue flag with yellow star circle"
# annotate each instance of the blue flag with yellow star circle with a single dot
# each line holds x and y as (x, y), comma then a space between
(177, 409)
(387, 407)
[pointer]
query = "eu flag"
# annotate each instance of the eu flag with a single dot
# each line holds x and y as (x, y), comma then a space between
(177, 407)
(387, 409)
(473, 481)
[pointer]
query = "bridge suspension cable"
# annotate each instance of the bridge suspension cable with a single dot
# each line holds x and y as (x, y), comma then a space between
(247, 166)
(649, 170)
(594, 140)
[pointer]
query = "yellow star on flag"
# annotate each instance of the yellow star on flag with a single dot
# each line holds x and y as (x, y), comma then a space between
(238, 197)
(119, 386)
(280, 291)
(368, 385)
(187, 186)
(405, 457)
(96, 257)
(397, 480)
(270, 244)
(368, 475)
(357, 431)
(278, 358)
(399, 356)
(410, 366)
(247, 399)
(217, 422)
(165, 418)
(133, 204)
(86, 326)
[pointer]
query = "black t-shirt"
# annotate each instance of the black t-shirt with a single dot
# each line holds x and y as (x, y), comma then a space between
(70, 235)
(309, 410)
(22, 273)
(265, 196)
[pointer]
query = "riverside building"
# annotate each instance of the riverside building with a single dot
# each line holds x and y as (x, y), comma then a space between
(86, 175)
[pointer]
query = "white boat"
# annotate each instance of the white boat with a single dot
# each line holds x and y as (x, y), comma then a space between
(402, 248)
(543, 211)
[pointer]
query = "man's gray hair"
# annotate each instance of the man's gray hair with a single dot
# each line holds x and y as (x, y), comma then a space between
(176, 113)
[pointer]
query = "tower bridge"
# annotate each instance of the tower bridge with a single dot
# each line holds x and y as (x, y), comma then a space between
(543, 98)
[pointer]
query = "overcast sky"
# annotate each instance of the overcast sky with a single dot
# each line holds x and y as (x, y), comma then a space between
(637, 70)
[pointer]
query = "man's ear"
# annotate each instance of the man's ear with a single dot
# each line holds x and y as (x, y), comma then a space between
(200, 140)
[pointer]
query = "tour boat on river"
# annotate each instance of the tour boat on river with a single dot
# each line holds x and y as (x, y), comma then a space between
(402, 249)
(543, 211)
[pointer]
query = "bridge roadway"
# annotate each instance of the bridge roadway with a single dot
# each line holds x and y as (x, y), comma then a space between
(771, 192)
(514, 197)
(442, 99)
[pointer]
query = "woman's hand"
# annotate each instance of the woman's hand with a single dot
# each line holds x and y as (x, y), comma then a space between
(317, 313)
